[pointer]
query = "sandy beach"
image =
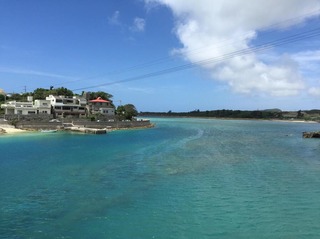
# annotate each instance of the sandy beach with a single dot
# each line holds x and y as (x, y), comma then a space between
(296, 121)
(7, 129)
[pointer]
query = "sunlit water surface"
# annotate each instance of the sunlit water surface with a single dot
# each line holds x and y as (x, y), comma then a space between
(185, 178)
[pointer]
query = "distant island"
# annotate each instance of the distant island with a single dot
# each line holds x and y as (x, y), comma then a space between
(268, 114)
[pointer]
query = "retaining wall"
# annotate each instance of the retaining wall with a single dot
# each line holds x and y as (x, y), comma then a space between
(37, 125)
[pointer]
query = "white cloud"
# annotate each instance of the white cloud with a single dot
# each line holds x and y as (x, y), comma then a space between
(314, 91)
(222, 27)
(34, 73)
(138, 25)
(307, 56)
(114, 19)
(141, 90)
(308, 60)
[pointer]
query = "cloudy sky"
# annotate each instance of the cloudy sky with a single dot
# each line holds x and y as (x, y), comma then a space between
(163, 55)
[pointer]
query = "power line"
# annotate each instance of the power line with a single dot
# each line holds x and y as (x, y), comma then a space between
(168, 59)
(262, 47)
(287, 22)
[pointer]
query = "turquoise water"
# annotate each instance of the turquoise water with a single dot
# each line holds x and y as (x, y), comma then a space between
(185, 178)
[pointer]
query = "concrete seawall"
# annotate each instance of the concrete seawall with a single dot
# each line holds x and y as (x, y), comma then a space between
(38, 125)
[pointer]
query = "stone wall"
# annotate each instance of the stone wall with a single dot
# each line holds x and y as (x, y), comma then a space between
(36, 117)
(116, 124)
(42, 121)
(37, 125)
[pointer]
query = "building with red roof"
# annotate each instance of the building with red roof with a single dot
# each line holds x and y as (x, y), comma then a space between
(101, 106)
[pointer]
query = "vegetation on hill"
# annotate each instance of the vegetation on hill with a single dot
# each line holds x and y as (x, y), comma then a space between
(42, 93)
(128, 111)
(95, 95)
(124, 112)
(243, 114)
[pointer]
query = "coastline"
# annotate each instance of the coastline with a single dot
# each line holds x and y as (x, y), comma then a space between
(223, 118)
(7, 130)
(296, 121)
(10, 130)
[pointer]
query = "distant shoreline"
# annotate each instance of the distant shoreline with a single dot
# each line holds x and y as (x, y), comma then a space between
(10, 130)
(224, 118)
(297, 121)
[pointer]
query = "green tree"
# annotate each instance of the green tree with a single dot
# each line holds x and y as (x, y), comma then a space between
(16, 97)
(61, 91)
(2, 98)
(300, 114)
(127, 111)
(103, 95)
(40, 93)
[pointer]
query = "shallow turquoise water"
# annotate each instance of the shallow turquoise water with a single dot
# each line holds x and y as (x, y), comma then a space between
(185, 178)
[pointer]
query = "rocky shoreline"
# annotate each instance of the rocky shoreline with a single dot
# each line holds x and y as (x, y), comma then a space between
(315, 134)
(85, 126)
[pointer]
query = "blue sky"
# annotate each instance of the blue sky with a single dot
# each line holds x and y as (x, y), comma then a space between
(114, 45)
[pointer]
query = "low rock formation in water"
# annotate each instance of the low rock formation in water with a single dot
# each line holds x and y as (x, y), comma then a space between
(311, 134)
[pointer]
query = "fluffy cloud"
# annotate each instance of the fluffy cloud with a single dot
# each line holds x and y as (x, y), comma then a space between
(315, 91)
(308, 60)
(114, 19)
(138, 24)
(222, 27)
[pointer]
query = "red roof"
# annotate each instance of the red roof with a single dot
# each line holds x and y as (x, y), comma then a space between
(99, 99)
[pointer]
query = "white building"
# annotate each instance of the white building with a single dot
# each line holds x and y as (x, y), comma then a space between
(27, 108)
(43, 106)
(68, 105)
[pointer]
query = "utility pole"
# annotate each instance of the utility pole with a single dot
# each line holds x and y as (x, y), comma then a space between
(25, 89)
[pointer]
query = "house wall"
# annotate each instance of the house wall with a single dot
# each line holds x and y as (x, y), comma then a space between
(103, 108)
(107, 111)
(25, 111)
(65, 106)
(27, 108)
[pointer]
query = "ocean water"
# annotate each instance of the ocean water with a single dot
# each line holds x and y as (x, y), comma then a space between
(185, 178)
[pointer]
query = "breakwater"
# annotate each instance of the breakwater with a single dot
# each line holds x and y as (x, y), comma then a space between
(86, 130)
(38, 125)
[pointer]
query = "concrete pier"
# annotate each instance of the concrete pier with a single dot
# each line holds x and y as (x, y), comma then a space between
(86, 130)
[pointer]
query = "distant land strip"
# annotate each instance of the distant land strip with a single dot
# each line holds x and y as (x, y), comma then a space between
(306, 115)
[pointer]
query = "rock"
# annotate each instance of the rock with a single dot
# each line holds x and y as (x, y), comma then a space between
(2, 131)
(311, 134)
